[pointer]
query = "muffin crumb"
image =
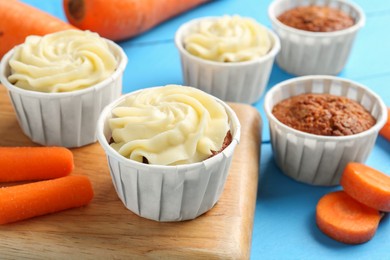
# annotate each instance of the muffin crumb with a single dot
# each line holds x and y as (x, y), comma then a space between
(226, 142)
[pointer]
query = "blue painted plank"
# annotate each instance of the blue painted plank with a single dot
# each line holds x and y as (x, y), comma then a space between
(284, 226)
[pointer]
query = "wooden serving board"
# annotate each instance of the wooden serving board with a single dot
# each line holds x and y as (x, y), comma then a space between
(105, 229)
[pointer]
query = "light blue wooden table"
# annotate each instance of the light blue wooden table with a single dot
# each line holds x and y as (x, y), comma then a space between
(284, 224)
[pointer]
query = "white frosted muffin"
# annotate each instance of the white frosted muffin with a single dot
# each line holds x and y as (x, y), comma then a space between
(229, 57)
(60, 82)
(169, 150)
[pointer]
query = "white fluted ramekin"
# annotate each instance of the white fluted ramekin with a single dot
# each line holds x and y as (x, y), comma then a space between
(314, 53)
(64, 119)
(167, 193)
(242, 82)
(315, 159)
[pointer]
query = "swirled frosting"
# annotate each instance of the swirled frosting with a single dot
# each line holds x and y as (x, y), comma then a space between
(228, 39)
(61, 62)
(169, 125)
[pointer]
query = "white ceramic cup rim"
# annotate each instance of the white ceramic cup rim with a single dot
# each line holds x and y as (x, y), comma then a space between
(380, 122)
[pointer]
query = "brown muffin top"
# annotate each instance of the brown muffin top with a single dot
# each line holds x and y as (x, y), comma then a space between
(323, 114)
(316, 18)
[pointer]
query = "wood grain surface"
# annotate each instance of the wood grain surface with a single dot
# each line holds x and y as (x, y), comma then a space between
(105, 229)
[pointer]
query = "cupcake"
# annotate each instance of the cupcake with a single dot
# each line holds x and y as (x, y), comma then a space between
(323, 114)
(59, 83)
(316, 18)
(315, 38)
(229, 57)
(169, 150)
(320, 123)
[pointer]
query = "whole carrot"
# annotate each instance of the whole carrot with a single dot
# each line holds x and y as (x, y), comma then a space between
(19, 20)
(367, 185)
(34, 163)
(39, 198)
(122, 19)
(385, 131)
(346, 220)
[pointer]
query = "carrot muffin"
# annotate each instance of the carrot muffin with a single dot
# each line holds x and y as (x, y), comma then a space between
(316, 18)
(229, 57)
(163, 139)
(323, 114)
(60, 82)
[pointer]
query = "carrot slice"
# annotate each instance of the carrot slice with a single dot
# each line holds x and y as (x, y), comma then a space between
(34, 163)
(367, 185)
(19, 20)
(122, 19)
(385, 131)
(346, 220)
(39, 198)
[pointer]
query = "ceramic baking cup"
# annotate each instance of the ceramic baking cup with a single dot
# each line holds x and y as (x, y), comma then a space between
(308, 53)
(315, 159)
(64, 119)
(242, 82)
(168, 193)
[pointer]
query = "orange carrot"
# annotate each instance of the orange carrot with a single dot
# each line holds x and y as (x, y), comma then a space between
(34, 163)
(122, 19)
(39, 198)
(19, 20)
(346, 220)
(367, 185)
(385, 131)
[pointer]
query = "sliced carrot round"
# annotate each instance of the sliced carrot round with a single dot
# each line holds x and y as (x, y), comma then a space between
(385, 131)
(346, 220)
(367, 185)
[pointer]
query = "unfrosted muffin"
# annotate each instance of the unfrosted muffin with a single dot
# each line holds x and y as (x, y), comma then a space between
(320, 159)
(316, 39)
(323, 114)
(316, 18)
(176, 129)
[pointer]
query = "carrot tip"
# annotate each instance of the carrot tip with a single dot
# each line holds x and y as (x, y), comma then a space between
(76, 9)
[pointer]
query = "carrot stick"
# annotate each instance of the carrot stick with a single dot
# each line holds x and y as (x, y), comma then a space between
(34, 163)
(346, 220)
(19, 20)
(367, 185)
(39, 198)
(122, 19)
(385, 131)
